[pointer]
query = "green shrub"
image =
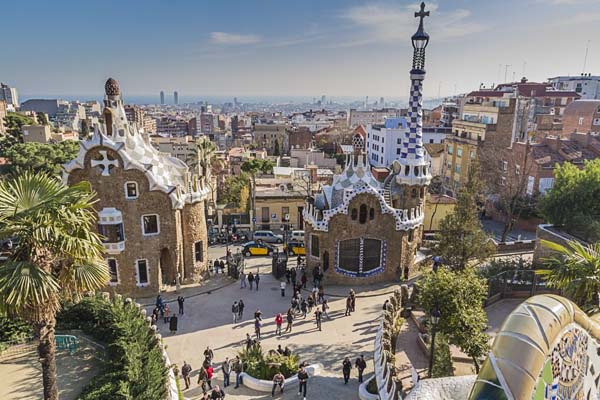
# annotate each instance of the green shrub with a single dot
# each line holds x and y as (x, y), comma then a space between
(14, 330)
(442, 358)
(134, 368)
(372, 386)
(261, 366)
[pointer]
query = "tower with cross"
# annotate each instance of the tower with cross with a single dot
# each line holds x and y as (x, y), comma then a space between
(414, 172)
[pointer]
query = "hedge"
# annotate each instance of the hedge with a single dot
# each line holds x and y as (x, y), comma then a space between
(134, 368)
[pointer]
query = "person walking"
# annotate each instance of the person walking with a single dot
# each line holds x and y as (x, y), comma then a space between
(217, 393)
(278, 380)
(278, 323)
(348, 306)
(353, 298)
(257, 328)
(238, 367)
(250, 279)
(226, 368)
(325, 307)
(361, 365)
(203, 379)
(167, 311)
(321, 294)
(310, 302)
(288, 275)
(173, 324)
(241, 306)
(235, 310)
(304, 279)
(209, 355)
(185, 372)
(216, 267)
(318, 318)
(346, 368)
(290, 319)
(180, 300)
(242, 280)
(222, 266)
(256, 280)
(294, 273)
(303, 380)
(282, 286)
(258, 314)
(209, 375)
(304, 308)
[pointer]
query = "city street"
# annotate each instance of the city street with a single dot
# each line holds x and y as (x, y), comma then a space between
(208, 322)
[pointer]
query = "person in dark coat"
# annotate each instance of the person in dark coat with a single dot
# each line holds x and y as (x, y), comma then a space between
(346, 368)
(250, 279)
(180, 300)
(241, 306)
(256, 280)
(361, 365)
(173, 324)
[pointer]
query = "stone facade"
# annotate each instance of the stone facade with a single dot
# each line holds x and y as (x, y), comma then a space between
(150, 207)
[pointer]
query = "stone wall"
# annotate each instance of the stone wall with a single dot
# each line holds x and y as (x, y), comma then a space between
(400, 252)
(193, 232)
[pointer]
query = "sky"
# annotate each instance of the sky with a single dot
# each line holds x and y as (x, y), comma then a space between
(293, 48)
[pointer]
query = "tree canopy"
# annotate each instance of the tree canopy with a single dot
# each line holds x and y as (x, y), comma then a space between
(573, 202)
(459, 297)
(40, 157)
(461, 237)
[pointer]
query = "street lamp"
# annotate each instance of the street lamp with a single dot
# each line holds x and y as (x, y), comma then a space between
(434, 318)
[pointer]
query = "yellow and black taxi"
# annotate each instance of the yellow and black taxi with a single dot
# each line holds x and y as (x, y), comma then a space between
(295, 248)
(257, 249)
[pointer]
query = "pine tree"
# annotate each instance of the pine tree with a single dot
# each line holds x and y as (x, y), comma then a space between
(461, 237)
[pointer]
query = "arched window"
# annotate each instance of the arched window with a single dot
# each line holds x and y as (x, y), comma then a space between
(371, 213)
(363, 214)
(354, 214)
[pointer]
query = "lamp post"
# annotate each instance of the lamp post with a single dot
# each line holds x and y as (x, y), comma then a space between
(434, 318)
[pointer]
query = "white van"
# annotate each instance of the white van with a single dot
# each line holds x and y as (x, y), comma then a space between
(297, 236)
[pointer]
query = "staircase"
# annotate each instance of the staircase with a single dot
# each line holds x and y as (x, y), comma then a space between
(387, 193)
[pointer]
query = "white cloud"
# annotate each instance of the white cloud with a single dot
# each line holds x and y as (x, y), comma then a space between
(379, 22)
(227, 39)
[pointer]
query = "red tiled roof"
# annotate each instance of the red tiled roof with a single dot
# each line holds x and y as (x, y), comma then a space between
(486, 93)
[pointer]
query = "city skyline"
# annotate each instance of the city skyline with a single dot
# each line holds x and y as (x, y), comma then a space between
(344, 49)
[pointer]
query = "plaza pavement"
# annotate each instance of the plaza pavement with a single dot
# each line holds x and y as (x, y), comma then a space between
(208, 322)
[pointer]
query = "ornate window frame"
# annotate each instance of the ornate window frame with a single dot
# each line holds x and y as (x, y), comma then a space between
(360, 273)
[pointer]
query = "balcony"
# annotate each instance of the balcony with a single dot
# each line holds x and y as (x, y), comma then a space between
(110, 227)
(114, 248)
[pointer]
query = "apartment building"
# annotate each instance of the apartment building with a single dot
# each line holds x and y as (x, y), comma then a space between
(10, 96)
(582, 116)
(172, 126)
(585, 85)
(272, 137)
(373, 117)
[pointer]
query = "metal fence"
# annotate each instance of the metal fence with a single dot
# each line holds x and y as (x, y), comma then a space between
(517, 283)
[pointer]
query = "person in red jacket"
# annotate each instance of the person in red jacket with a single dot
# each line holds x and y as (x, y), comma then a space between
(278, 323)
(209, 375)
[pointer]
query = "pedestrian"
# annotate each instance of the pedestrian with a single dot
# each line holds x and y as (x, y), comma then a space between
(279, 349)
(173, 324)
(361, 365)
(294, 276)
(304, 279)
(406, 273)
(321, 294)
(346, 368)
(303, 379)
(258, 314)
(310, 303)
(257, 328)
(235, 310)
(217, 393)
(238, 367)
(325, 307)
(288, 275)
(318, 318)
(304, 308)
(386, 304)
(250, 279)
(161, 310)
(222, 266)
(209, 355)
(278, 380)
(226, 368)
(241, 305)
(185, 371)
(348, 305)
(278, 323)
(290, 319)
(242, 280)
(203, 379)
(216, 267)
(166, 316)
(159, 302)
(282, 286)
(353, 300)
(287, 352)
(180, 301)
(256, 280)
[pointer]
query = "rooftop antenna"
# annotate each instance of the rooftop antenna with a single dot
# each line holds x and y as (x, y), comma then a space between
(587, 47)
(506, 71)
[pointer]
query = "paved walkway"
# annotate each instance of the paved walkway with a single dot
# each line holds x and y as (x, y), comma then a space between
(208, 322)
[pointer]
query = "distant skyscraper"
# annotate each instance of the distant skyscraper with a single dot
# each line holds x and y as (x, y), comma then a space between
(175, 97)
(323, 99)
(9, 95)
(235, 101)
(162, 97)
(381, 102)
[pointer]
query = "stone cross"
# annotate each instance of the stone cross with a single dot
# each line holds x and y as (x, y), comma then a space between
(105, 163)
(422, 14)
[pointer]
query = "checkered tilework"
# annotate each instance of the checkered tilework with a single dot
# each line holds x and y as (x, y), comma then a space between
(412, 146)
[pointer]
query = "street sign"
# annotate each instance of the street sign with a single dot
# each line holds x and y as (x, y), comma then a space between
(253, 219)
(274, 216)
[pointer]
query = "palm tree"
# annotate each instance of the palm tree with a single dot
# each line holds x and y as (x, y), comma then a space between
(56, 255)
(253, 167)
(203, 156)
(576, 271)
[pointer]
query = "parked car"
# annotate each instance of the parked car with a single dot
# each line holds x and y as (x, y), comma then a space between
(296, 248)
(267, 237)
(297, 236)
(257, 249)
